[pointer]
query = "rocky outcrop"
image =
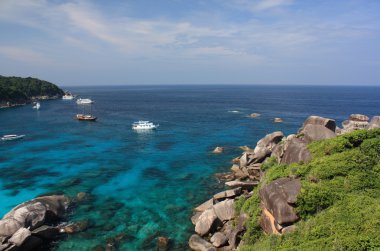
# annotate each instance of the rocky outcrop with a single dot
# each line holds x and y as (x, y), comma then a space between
(374, 123)
(218, 150)
(217, 221)
(296, 151)
(355, 122)
(317, 120)
(317, 128)
(198, 244)
(31, 223)
(278, 199)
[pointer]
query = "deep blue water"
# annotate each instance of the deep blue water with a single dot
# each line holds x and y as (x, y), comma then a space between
(144, 185)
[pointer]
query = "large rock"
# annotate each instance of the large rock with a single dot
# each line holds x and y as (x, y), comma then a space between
(206, 222)
(317, 132)
(296, 151)
(268, 142)
(218, 239)
(227, 194)
(23, 225)
(243, 184)
(317, 120)
(204, 206)
(374, 123)
(225, 210)
(358, 117)
(278, 198)
(355, 122)
(198, 244)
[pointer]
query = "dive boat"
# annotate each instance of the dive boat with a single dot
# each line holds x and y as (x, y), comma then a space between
(12, 137)
(83, 101)
(143, 125)
(86, 117)
(37, 106)
(67, 96)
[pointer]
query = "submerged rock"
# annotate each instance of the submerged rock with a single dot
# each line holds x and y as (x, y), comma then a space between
(254, 115)
(162, 243)
(218, 150)
(278, 120)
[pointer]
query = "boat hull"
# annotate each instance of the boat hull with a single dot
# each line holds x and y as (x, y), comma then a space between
(12, 137)
(81, 117)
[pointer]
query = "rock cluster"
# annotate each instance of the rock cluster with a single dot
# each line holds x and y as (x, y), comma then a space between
(359, 121)
(219, 227)
(31, 223)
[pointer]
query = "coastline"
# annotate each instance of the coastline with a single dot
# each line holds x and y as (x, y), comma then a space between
(220, 224)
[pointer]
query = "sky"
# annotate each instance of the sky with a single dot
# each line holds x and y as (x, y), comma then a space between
(151, 42)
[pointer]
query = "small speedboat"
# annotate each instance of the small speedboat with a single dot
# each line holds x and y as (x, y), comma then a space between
(144, 125)
(12, 137)
(83, 101)
(86, 117)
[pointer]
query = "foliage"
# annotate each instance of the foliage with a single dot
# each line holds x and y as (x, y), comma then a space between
(20, 90)
(339, 202)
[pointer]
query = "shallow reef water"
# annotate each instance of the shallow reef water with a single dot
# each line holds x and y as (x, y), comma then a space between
(143, 185)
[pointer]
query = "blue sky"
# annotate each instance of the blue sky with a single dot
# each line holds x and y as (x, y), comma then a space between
(318, 42)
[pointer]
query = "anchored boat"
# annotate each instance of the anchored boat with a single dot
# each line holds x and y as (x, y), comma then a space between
(12, 137)
(144, 125)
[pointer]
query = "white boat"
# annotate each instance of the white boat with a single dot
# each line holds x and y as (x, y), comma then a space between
(67, 96)
(12, 137)
(83, 101)
(143, 125)
(37, 106)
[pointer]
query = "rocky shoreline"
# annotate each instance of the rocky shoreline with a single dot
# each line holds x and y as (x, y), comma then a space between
(220, 226)
(32, 99)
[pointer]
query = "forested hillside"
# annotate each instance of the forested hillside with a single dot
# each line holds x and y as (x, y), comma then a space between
(17, 90)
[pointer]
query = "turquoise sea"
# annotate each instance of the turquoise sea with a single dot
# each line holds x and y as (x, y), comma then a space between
(144, 185)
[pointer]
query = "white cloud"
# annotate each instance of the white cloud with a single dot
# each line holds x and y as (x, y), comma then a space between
(270, 4)
(22, 54)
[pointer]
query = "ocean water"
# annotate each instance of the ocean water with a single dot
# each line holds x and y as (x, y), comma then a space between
(144, 185)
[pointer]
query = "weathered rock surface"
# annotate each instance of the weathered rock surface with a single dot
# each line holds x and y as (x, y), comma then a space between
(374, 123)
(278, 120)
(355, 122)
(268, 142)
(206, 222)
(218, 150)
(296, 151)
(278, 198)
(30, 223)
(218, 239)
(317, 132)
(198, 244)
(204, 206)
(225, 210)
(317, 120)
(227, 194)
(242, 184)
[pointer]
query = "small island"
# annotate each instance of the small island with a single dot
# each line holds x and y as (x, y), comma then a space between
(19, 91)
